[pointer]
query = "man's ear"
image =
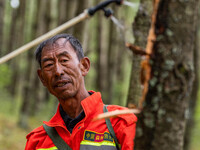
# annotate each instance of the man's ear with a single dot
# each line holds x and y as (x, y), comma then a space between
(39, 72)
(85, 65)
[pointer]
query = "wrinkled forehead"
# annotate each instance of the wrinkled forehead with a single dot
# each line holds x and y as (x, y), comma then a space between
(60, 43)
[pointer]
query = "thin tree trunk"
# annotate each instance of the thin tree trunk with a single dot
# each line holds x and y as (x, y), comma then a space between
(62, 11)
(41, 95)
(110, 64)
(78, 29)
(135, 89)
(14, 30)
(37, 29)
(26, 99)
(7, 27)
(71, 11)
(2, 5)
(17, 26)
(19, 41)
(99, 68)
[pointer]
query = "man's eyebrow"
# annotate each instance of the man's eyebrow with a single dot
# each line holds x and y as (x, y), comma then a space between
(59, 55)
(46, 59)
(63, 54)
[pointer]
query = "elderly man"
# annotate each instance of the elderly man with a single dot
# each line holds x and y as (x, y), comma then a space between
(63, 67)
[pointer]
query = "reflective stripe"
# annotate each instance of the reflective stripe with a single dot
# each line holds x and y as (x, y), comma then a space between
(97, 143)
(91, 147)
(51, 148)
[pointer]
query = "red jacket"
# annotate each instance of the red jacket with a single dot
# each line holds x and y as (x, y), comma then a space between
(87, 134)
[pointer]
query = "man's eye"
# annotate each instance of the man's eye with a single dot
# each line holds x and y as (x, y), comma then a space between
(64, 60)
(48, 65)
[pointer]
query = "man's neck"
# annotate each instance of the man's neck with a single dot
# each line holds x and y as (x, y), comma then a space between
(72, 106)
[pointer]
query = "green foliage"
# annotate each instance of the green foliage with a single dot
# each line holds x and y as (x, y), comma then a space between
(5, 75)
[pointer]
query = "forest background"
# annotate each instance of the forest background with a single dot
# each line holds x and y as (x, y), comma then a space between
(25, 103)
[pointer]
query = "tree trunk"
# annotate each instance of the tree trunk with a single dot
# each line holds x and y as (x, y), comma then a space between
(110, 64)
(135, 89)
(2, 5)
(62, 11)
(161, 125)
(140, 27)
(100, 70)
(194, 95)
(20, 23)
(79, 28)
(26, 98)
(35, 90)
(16, 30)
(71, 11)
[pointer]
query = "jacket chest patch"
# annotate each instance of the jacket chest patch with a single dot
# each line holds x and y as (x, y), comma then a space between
(97, 137)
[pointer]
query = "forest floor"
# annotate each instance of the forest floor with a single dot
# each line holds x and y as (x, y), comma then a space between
(11, 136)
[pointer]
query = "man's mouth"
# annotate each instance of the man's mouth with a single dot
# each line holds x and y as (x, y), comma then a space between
(61, 84)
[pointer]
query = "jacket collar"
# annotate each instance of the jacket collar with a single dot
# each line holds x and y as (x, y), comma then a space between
(88, 105)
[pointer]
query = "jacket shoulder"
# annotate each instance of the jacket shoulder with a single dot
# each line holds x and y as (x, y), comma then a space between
(35, 138)
(128, 118)
(39, 130)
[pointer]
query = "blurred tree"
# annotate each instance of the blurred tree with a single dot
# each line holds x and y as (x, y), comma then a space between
(79, 28)
(17, 30)
(71, 9)
(40, 24)
(2, 5)
(100, 78)
(161, 125)
(112, 51)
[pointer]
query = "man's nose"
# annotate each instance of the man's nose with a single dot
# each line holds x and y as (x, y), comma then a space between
(58, 70)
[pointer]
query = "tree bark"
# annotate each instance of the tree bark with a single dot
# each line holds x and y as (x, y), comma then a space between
(161, 125)
(135, 89)
(194, 95)
(141, 28)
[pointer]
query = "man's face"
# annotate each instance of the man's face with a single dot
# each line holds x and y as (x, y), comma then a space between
(61, 71)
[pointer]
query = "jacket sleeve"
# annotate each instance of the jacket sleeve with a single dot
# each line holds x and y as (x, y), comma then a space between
(127, 137)
(31, 142)
(34, 137)
(125, 128)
